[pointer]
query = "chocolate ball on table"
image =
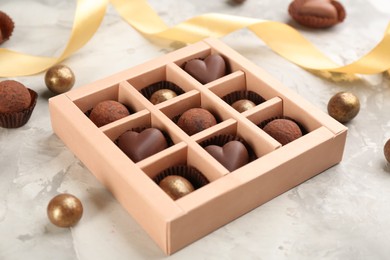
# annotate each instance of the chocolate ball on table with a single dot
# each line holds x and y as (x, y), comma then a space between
(196, 120)
(344, 106)
(386, 151)
(107, 111)
(283, 130)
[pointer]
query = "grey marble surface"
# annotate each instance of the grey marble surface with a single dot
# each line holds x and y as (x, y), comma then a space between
(342, 213)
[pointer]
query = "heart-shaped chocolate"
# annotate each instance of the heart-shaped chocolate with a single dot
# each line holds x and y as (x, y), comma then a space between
(138, 146)
(320, 8)
(232, 155)
(207, 70)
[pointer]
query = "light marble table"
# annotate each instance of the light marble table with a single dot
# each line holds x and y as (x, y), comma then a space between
(342, 213)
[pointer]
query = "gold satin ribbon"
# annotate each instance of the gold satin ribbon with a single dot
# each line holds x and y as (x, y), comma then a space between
(280, 37)
(88, 16)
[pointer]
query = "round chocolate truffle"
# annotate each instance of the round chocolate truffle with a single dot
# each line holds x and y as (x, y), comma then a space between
(196, 120)
(162, 95)
(6, 27)
(59, 79)
(283, 130)
(343, 106)
(14, 97)
(243, 105)
(176, 186)
(107, 111)
(64, 210)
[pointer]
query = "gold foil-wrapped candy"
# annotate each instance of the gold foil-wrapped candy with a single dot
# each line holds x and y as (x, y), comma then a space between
(59, 79)
(162, 95)
(176, 186)
(343, 106)
(64, 210)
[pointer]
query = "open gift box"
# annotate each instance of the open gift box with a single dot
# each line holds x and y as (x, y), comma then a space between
(276, 168)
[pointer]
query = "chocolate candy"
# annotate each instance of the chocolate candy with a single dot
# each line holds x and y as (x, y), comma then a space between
(243, 105)
(195, 120)
(317, 13)
(207, 70)
(107, 111)
(138, 146)
(162, 95)
(6, 27)
(283, 130)
(176, 186)
(14, 96)
(343, 106)
(232, 155)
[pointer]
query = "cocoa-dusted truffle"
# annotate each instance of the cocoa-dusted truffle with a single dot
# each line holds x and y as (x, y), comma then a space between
(317, 13)
(107, 111)
(195, 120)
(283, 130)
(16, 104)
(14, 96)
(6, 27)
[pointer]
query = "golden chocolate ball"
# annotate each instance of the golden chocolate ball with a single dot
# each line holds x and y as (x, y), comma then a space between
(64, 210)
(176, 186)
(162, 95)
(243, 105)
(386, 150)
(59, 79)
(343, 106)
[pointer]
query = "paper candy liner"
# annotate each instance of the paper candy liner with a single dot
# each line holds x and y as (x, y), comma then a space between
(221, 140)
(18, 119)
(149, 90)
(193, 175)
(316, 21)
(238, 95)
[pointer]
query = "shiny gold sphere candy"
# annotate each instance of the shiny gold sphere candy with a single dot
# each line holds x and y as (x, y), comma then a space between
(386, 150)
(64, 210)
(243, 105)
(59, 79)
(176, 186)
(343, 106)
(162, 95)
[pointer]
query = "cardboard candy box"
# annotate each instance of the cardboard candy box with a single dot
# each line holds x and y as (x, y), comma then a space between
(228, 195)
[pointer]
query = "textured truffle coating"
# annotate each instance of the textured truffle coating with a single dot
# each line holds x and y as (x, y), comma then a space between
(14, 97)
(108, 111)
(196, 120)
(6, 27)
(283, 130)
